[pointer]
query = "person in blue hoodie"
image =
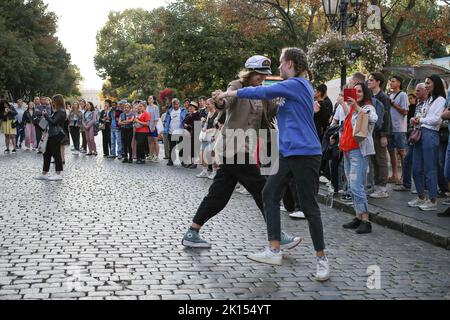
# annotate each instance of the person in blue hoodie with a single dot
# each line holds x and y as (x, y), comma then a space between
(300, 155)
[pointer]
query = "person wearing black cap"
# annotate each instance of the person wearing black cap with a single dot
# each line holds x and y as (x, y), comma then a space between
(246, 115)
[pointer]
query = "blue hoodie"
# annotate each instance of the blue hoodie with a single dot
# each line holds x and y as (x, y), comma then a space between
(297, 131)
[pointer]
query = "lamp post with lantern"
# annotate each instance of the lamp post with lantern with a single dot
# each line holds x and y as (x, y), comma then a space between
(342, 14)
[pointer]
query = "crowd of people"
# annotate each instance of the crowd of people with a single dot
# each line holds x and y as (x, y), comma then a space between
(349, 144)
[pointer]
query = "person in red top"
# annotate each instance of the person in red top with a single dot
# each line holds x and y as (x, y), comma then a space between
(141, 125)
(357, 154)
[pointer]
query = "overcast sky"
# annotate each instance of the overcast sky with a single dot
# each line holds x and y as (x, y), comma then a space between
(78, 24)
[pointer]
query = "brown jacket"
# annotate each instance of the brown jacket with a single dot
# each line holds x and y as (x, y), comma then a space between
(244, 114)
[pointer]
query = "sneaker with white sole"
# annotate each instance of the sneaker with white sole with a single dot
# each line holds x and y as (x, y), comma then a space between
(155, 159)
(56, 177)
(282, 208)
(379, 194)
(243, 191)
(192, 239)
(297, 215)
(428, 206)
(416, 202)
(323, 269)
(267, 256)
(43, 177)
(203, 174)
(401, 188)
(289, 242)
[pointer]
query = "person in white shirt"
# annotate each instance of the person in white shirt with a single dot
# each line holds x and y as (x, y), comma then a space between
(399, 116)
(426, 150)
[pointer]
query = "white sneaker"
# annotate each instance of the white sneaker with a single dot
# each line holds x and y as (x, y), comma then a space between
(428, 206)
(323, 269)
(416, 202)
(379, 194)
(212, 175)
(75, 153)
(330, 189)
(297, 215)
(323, 179)
(155, 159)
(282, 208)
(43, 177)
(56, 177)
(267, 256)
(203, 174)
(238, 188)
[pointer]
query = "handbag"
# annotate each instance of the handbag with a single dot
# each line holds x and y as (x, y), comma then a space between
(43, 123)
(42, 147)
(361, 129)
(415, 136)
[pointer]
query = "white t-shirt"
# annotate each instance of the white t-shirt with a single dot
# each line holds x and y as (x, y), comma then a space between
(175, 118)
(431, 112)
(339, 115)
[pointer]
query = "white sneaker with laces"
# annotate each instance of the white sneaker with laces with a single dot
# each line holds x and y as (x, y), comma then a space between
(428, 206)
(297, 215)
(56, 177)
(416, 202)
(203, 174)
(43, 177)
(267, 257)
(323, 269)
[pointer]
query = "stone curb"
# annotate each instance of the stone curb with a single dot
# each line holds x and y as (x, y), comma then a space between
(411, 227)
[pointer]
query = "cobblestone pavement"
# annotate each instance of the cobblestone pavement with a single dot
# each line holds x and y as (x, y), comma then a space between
(113, 230)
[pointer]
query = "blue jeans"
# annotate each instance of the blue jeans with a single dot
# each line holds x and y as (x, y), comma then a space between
(425, 162)
(355, 165)
(407, 167)
(116, 138)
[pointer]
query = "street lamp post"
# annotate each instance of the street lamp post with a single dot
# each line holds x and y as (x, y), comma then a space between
(337, 12)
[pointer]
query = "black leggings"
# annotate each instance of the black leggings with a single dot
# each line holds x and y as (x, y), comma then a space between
(141, 144)
(75, 133)
(53, 150)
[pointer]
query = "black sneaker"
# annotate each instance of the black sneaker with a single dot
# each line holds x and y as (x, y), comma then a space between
(364, 227)
(7, 151)
(13, 151)
(354, 224)
(130, 160)
(170, 163)
(125, 160)
(346, 198)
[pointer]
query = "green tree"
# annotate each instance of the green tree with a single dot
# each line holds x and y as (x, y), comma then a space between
(32, 59)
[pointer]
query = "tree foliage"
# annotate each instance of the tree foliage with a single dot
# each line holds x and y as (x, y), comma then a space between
(197, 46)
(32, 59)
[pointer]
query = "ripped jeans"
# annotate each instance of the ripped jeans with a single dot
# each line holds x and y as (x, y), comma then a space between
(355, 166)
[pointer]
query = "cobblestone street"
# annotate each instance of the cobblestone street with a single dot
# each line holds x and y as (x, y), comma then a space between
(113, 231)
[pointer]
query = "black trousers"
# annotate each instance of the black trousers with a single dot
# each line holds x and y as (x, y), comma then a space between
(38, 133)
(290, 198)
(305, 171)
(20, 136)
(127, 137)
(83, 141)
(106, 139)
(53, 150)
(223, 186)
(75, 134)
(141, 144)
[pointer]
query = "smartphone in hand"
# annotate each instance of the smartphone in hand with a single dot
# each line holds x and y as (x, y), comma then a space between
(349, 93)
